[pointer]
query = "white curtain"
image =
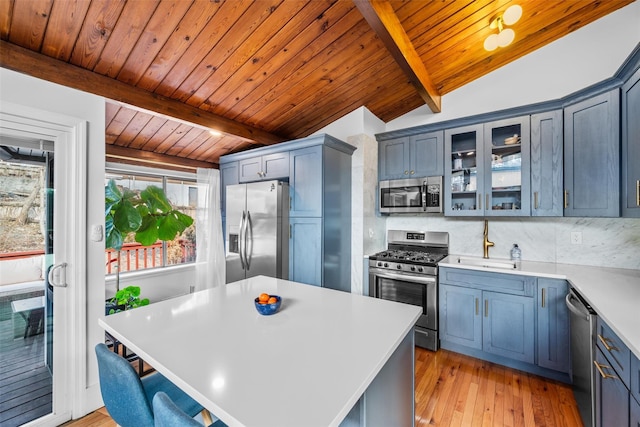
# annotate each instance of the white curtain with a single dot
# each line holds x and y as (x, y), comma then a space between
(210, 262)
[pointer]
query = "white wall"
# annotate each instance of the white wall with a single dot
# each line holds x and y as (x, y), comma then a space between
(45, 96)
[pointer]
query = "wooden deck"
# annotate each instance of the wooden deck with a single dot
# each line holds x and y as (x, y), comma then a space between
(25, 381)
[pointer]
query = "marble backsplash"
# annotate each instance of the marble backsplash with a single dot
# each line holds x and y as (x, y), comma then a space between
(606, 242)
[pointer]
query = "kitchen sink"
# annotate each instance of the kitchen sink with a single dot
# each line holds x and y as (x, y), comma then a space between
(487, 263)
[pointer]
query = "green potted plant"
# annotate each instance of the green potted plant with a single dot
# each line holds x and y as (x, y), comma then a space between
(150, 217)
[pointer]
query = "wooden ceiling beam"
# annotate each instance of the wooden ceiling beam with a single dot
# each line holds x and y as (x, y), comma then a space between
(383, 20)
(147, 158)
(28, 62)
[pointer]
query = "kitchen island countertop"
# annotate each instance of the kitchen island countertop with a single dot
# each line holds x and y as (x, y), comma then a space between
(308, 364)
(614, 293)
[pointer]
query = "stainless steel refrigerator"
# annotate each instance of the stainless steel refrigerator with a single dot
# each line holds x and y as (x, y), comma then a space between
(256, 234)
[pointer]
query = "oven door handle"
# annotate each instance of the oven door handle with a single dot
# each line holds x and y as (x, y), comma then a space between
(404, 277)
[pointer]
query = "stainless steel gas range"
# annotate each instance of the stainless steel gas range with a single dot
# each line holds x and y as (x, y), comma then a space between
(407, 272)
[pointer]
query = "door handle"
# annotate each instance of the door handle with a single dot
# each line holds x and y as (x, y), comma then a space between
(479, 202)
(566, 199)
(486, 201)
(638, 192)
(477, 306)
(486, 308)
(543, 296)
(62, 275)
(248, 250)
(605, 342)
(535, 200)
(602, 374)
(241, 241)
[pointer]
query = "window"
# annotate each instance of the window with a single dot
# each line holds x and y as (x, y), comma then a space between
(181, 190)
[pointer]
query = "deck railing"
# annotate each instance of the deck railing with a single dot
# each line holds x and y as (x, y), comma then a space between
(134, 256)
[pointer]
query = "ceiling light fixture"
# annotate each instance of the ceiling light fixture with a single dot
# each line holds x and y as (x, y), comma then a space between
(505, 35)
(215, 133)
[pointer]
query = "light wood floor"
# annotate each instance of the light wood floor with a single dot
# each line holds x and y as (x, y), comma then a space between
(456, 390)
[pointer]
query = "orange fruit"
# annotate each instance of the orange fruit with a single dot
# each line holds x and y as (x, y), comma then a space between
(263, 298)
(272, 300)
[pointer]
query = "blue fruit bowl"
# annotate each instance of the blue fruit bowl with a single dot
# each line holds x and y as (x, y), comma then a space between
(268, 309)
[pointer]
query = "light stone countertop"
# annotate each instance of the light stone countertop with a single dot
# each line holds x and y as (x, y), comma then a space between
(614, 293)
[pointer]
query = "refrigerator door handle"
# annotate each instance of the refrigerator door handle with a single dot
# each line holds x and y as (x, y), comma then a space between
(241, 240)
(248, 235)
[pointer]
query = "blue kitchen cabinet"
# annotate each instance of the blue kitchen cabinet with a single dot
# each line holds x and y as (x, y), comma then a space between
(305, 182)
(553, 325)
(634, 413)
(305, 250)
(413, 156)
(634, 382)
(487, 169)
(631, 146)
(228, 176)
(507, 326)
(546, 163)
(266, 167)
(460, 316)
(592, 157)
(611, 395)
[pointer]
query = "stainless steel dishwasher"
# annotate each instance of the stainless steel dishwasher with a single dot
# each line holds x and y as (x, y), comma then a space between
(583, 328)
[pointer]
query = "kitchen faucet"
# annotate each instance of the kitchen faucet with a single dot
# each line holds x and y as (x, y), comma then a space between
(486, 243)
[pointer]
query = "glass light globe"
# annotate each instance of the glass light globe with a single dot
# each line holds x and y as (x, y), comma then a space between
(491, 42)
(512, 14)
(506, 37)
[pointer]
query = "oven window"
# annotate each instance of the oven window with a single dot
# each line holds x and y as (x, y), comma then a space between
(401, 197)
(406, 292)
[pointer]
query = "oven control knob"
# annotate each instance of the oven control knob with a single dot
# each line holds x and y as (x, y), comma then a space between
(420, 269)
(413, 268)
(398, 266)
(386, 264)
(379, 264)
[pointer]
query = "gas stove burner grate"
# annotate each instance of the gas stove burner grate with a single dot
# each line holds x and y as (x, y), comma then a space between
(414, 257)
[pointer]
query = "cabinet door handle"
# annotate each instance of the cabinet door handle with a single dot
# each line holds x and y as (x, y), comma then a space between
(290, 231)
(543, 296)
(486, 308)
(602, 374)
(477, 306)
(486, 201)
(479, 202)
(605, 343)
(566, 199)
(638, 192)
(535, 200)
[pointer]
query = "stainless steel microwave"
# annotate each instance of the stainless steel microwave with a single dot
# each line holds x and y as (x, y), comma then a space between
(414, 195)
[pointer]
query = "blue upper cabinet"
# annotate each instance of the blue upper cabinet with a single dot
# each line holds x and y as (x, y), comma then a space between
(411, 156)
(592, 157)
(228, 176)
(267, 167)
(487, 169)
(305, 182)
(631, 146)
(546, 163)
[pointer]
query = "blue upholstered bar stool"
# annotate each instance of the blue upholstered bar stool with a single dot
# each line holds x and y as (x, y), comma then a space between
(129, 398)
(167, 414)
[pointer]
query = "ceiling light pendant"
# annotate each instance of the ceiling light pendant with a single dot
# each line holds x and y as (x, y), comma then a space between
(505, 35)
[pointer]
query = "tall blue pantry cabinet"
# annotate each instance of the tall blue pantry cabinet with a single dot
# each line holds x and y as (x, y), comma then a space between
(318, 169)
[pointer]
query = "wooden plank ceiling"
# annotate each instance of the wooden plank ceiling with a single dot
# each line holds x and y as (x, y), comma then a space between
(264, 71)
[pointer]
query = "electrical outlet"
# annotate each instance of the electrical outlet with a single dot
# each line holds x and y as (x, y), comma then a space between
(576, 237)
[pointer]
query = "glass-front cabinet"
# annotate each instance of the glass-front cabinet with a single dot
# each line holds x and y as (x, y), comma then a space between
(487, 170)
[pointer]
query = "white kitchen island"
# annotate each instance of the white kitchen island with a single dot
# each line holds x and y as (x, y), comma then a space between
(327, 358)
